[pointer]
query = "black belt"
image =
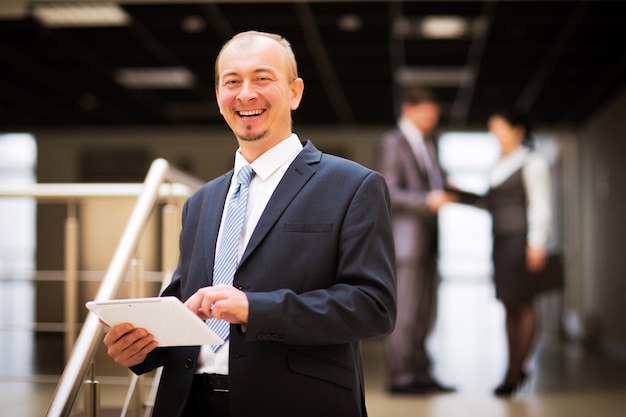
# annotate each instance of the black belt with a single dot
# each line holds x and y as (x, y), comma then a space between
(212, 382)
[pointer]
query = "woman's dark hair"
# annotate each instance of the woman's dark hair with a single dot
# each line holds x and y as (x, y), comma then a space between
(518, 118)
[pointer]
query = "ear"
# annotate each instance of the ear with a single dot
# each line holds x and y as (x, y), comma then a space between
(217, 98)
(297, 90)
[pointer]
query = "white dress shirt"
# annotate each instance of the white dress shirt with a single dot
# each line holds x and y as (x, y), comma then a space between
(269, 169)
(415, 137)
(536, 177)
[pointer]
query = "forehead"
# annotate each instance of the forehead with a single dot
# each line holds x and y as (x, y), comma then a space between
(252, 54)
(424, 106)
(499, 122)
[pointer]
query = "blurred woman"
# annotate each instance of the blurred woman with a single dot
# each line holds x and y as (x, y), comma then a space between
(519, 203)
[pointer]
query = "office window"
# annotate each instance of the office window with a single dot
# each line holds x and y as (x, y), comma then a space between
(18, 156)
(465, 231)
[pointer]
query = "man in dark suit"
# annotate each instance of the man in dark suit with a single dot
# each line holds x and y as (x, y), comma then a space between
(316, 273)
(409, 163)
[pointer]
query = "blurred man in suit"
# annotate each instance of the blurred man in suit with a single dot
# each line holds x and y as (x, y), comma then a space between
(409, 163)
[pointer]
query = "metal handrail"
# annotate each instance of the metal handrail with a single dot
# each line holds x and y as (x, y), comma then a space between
(62, 192)
(90, 335)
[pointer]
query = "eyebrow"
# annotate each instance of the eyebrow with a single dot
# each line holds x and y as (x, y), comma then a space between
(256, 71)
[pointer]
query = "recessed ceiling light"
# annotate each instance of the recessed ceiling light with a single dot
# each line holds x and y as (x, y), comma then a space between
(193, 24)
(435, 27)
(155, 78)
(78, 14)
(350, 23)
(444, 27)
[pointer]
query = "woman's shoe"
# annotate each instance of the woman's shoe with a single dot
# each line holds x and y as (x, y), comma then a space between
(509, 388)
(505, 389)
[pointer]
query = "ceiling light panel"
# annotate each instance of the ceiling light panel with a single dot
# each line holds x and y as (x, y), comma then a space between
(88, 14)
(444, 27)
(433, 77)
(436, 27)
(155, 78)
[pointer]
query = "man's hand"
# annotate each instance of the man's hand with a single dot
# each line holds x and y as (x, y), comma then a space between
(127, 345)
(223, 302)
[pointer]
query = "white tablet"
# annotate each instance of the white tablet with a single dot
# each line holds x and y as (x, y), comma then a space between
(167, 318)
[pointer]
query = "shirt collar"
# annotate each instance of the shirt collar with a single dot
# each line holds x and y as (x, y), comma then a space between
(272, 159)
(517, 157)
(507, 165)
(410, 131)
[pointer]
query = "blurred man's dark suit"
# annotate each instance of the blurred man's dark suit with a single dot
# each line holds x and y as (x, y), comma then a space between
(416, 240)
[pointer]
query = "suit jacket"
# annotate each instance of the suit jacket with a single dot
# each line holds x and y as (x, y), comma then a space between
(415, 226)
(319, 274)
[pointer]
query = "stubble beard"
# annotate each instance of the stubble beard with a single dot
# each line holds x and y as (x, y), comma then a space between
(247, 136)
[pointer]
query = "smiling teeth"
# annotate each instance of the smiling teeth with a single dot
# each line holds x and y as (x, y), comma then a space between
(250, 112)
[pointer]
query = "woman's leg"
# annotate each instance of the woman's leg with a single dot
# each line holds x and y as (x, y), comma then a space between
(521, 328)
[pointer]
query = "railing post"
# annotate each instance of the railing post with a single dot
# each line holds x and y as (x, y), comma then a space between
(91, 394)
(169, 242)
(71, 277)
(137, 289)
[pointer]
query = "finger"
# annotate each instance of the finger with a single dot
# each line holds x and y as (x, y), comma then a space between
(197, 305)
(116, 332)
(132, 348)
(117, 346)
(193, 302)
(217, 310)
(137, 352)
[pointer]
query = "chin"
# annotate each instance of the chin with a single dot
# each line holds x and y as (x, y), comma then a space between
(252, 137)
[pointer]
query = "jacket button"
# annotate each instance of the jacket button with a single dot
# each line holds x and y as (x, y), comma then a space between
(188, 363)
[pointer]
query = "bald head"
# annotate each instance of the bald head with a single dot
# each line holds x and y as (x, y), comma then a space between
(248, 38)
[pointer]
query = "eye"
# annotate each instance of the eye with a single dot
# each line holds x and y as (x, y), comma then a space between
(231, 82)
(263, 78)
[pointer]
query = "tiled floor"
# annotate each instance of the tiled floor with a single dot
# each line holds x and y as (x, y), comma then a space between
(468, 346)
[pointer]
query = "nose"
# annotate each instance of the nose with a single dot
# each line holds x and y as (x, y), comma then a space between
(247, 91)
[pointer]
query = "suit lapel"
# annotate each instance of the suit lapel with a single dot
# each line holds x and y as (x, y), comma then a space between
(296, 176)
(418, 166)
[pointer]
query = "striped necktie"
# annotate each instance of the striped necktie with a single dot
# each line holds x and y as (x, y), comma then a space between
(227, 257)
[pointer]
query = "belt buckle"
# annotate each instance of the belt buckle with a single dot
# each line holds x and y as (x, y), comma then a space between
(218, 383)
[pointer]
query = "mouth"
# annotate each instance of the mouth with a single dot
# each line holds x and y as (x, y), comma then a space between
(244, 114)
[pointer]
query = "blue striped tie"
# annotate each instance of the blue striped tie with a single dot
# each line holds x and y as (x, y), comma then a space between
(226, 258)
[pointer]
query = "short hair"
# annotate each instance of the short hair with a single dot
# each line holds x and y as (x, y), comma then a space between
(249, 36)
(418, 95)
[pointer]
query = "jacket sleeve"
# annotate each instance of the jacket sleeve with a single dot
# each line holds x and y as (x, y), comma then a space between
(536, 174)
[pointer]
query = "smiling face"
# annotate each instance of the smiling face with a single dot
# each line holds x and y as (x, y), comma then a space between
(256, 91)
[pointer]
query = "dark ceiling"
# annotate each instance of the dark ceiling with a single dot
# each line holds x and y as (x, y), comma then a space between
(562, 60)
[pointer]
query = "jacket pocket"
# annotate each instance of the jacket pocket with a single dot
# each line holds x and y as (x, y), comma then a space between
(322, 368)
